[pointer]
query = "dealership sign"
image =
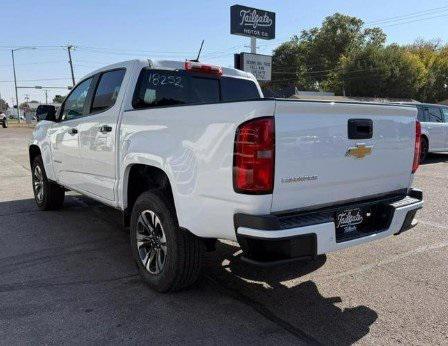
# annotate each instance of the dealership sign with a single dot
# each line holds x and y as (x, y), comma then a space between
(247, 21)
(259, 65)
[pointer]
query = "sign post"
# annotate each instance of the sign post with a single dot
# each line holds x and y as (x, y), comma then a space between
(253, 45)
(253, 23)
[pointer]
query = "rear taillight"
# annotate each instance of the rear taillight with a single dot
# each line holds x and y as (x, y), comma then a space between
(417, 148)
(254, 157)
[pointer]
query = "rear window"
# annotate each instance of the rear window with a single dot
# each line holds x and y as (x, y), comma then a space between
(158, 88)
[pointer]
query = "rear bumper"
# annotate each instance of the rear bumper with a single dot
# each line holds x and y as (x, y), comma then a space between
(277, 238)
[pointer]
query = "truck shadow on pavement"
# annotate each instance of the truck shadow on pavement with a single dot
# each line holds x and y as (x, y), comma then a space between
(59, 257)
(435, 158)
(288, 296)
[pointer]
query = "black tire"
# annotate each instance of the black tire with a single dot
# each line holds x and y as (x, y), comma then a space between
(5, 123)
(424, 148)
(53, 195)
(184, 251)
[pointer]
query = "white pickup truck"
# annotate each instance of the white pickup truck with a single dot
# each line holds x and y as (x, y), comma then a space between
(191, 153)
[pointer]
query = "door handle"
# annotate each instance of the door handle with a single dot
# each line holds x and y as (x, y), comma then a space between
(73, 131)
(105, 129)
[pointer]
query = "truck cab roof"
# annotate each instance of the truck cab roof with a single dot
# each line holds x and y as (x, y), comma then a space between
(169, 65)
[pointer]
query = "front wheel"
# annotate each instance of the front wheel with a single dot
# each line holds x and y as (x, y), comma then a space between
(5, 123)
(168, 257)
(47, 194)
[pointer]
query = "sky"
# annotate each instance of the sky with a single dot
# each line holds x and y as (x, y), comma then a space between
(105, 32)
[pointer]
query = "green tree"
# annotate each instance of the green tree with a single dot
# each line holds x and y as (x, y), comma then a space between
(434, 56)
(390, 71)
(24, 106)
(437, 90)
(309, 59)
(58, 98)
(289, 67)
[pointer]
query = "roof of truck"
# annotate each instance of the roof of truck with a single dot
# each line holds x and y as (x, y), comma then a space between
(424, 104)
(180, 65)
(169, 65)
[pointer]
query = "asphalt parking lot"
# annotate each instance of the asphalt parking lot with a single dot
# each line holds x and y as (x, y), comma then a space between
(68, 276)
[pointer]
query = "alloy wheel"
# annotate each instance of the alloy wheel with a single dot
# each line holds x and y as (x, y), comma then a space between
(38, 184)
(151, 242)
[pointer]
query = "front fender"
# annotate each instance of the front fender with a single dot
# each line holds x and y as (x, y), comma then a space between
(41, 139)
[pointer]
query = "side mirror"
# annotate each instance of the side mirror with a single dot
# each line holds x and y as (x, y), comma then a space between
(46, 112)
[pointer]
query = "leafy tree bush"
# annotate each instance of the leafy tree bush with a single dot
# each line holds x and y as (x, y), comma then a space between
(344, 57)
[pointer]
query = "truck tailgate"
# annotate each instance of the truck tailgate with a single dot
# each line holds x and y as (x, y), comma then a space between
(316, 163)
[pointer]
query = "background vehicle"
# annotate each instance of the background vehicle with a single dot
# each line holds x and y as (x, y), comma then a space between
(434, 122)
(192, 153)
(4, 120)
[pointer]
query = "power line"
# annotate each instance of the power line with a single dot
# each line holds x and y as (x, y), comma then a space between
(409, 15)
(364, 70)
(126, 51)
(414, 21)
(34, 63)
(33, 80)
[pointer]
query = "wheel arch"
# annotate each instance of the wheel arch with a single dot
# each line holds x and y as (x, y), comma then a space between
(34, 151)
(426, 138)
(140, 177)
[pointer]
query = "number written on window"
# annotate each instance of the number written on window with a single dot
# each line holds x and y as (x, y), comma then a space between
(162, 79)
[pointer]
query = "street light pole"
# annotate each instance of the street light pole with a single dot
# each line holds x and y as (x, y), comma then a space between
(15, 78)
(15, 85)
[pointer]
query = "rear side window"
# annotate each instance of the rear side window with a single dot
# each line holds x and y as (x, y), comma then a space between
(434, 114)
(234, 89)
(107, 91)
(158, 88)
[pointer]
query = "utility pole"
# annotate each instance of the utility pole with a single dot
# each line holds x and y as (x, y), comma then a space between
(46, 96)
(15, 85)
(69, 48)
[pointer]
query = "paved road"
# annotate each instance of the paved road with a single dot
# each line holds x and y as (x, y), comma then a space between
(68, 276)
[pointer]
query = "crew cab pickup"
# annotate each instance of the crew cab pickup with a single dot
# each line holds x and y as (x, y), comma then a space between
(192, 153)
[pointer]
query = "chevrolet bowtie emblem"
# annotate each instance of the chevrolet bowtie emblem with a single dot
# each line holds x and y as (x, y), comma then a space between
(360, 151)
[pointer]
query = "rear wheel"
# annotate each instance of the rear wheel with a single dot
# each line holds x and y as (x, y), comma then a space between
(168, 257)
(47, 194)
(424, 147)
(5, 123)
